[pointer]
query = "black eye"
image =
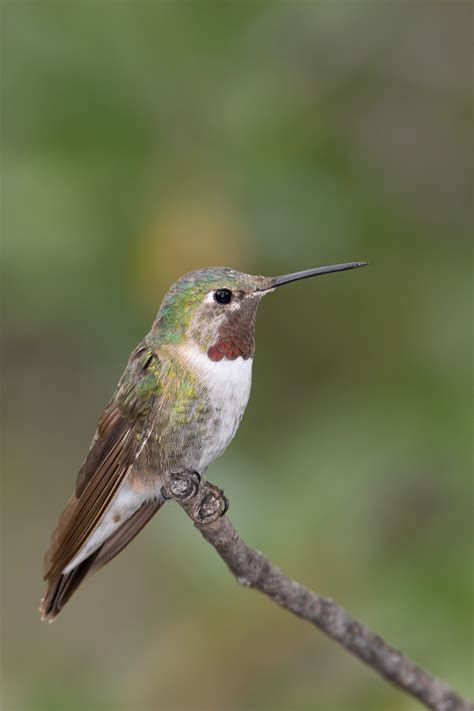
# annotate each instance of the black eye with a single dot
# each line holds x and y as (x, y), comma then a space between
(223, 296)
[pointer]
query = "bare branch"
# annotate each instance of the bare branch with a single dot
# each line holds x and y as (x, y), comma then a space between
(252, 569)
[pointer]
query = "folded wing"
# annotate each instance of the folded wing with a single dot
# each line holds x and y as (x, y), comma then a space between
(121, 434)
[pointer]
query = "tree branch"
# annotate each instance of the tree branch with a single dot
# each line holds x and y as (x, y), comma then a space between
(252, 569)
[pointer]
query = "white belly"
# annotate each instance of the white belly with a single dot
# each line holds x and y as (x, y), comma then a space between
(228, 385)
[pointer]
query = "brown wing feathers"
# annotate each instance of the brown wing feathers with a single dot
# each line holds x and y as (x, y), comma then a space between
(112, 455)
(102, 475)
(120, 435)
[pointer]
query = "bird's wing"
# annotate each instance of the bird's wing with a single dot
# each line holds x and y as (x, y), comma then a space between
(121, 434)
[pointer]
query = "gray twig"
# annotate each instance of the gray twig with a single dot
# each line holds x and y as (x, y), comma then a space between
(252, 569)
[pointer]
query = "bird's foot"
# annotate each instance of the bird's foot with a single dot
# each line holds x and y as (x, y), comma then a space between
(211, 506)
(181, 486)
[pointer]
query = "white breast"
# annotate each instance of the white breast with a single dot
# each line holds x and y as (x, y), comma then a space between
(228, 384)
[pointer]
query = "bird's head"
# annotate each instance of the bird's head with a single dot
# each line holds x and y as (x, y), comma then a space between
(215, 308)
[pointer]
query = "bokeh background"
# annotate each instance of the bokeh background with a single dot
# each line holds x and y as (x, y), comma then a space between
(145, 139)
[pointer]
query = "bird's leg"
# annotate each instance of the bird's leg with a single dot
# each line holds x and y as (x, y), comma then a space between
(181, 486)
(211, 505)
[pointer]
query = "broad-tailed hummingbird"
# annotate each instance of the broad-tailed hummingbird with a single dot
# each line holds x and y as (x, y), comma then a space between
(176, 408)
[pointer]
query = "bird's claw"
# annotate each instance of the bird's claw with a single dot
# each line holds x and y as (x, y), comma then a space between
(212, 505)
(209, 506)
(181, 486)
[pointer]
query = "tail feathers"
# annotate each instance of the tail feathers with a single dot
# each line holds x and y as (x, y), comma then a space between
(62, 586)
(125, 533)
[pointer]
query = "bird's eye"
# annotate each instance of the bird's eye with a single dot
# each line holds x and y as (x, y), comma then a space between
(223, 296)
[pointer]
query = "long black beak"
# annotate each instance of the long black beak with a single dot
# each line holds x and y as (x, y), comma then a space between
(287, 278)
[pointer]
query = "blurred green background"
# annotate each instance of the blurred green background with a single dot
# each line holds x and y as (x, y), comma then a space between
(145, 139)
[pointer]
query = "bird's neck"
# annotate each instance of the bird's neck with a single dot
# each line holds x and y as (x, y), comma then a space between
(223, 338)
(234, 337)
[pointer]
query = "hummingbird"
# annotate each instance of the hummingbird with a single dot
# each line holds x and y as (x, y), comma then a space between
(176, 408)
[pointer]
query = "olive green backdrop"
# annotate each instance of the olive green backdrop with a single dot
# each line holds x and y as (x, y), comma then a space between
(145, 139)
